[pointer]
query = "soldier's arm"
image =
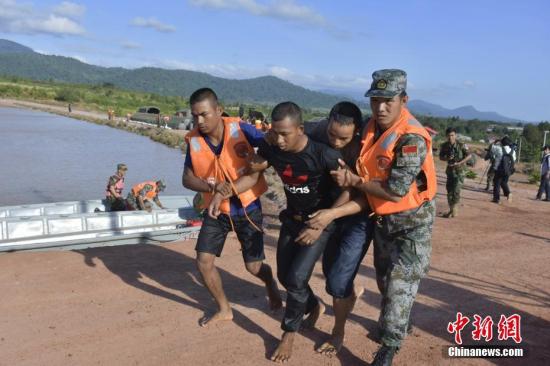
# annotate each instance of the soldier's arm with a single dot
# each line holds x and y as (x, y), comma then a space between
(467, 155)
(157, 202)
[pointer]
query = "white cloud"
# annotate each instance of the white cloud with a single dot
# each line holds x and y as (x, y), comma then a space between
(469, 83)
(130, 45)
(69, 9)
(25, 19)
(154, 24)
(283, 9)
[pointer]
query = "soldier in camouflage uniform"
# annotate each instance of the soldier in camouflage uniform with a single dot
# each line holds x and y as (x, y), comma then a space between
(402, 238)
(456, 154)
(113, 192)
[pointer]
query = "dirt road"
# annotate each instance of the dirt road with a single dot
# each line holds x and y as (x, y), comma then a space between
(139, 305)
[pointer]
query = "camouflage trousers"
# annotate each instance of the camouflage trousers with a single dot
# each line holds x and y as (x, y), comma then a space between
(401, 260)
(454, 185)
(490, 177)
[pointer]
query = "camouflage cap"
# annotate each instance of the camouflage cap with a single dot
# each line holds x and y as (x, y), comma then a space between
(161, 185)
(387, 83)
(121, 166)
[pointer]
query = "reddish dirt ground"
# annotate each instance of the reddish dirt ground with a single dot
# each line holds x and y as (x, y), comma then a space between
(139, 305)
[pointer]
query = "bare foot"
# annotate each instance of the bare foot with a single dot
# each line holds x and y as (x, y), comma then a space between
(284, 349)
(275, 302)
(219, 316)
(309, 322)
(332, 346)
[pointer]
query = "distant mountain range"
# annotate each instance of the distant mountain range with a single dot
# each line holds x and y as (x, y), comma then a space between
(22, 61)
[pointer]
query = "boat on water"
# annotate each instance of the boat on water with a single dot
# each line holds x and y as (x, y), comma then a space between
(85, 224)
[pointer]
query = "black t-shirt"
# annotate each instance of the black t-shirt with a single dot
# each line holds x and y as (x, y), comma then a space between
(305, 175)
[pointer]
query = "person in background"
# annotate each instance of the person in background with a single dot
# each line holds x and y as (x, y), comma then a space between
(505, 157)
(456, 154)
(141, 195)
(544, 187)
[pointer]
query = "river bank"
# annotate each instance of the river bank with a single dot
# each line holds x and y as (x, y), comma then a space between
(171, 138)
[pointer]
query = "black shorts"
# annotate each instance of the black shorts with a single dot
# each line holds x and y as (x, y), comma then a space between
(214, 232)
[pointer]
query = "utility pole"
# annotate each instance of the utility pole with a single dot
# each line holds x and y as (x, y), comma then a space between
(519, 150)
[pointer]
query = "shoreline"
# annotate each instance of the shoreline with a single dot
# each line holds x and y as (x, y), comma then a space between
(170, 138)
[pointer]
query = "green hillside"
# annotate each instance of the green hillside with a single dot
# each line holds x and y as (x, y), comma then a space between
(261, 90)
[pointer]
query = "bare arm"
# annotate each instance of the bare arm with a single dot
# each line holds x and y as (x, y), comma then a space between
(113, 192)
(192, 182)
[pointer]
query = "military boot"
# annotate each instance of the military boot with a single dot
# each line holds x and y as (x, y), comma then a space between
(384, 356)
(454, 211)
(450, 213)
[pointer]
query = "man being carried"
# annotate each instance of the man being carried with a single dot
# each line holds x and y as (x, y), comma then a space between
(218, 152)
(350, 241)
(397, 174)
(115, 185)
(141, 195)
(304, 168)
(456, 154)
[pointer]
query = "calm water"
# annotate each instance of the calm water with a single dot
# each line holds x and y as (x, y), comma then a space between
(49, 158)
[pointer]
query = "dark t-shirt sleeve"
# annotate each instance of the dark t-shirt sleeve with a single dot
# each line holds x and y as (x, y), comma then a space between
(265, 150)
(252, 134)
(329, 158)
(188, 163)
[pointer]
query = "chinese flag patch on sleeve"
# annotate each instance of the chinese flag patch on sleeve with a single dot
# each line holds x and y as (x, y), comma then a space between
(409, 150)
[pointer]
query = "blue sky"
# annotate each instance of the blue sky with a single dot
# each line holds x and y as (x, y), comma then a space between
(494, 55)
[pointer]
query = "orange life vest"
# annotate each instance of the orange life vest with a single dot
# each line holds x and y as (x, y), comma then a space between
(376, 158)
(229, 166)
(149, 195)
(258, 124)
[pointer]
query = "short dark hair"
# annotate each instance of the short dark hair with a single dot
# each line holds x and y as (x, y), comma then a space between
(506, 141)
(346, 113)
(287, 109)
(403, 94)
(203, 94)
(449, 130)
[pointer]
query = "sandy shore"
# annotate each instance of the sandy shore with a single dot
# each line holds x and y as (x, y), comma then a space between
(139, 305)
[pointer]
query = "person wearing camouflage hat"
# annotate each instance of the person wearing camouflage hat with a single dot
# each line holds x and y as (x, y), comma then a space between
(115, 186)
(396, 172)
(142, 194)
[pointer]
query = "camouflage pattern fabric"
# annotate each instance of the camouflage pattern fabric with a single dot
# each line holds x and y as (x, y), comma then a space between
(401, 260)
(387, 83)
(402, 244)
(455, 175)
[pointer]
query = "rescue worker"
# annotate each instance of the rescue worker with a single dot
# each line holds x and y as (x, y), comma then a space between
(456, 154)
(218, 152)
(115, 186)
(141, 195)
(396, 172)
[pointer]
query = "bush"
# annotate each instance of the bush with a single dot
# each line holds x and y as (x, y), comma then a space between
(534, 178)
(68, 95)
(470, 174)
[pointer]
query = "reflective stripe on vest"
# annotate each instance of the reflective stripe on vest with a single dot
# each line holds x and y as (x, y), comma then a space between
(230, 165)
(376, 158)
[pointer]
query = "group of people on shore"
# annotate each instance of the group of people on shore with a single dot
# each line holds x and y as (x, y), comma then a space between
(345, 185)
